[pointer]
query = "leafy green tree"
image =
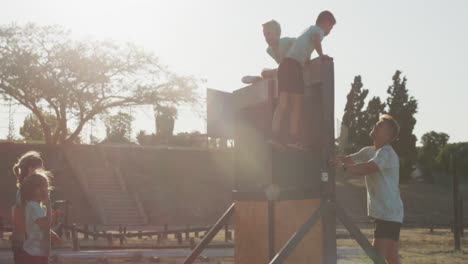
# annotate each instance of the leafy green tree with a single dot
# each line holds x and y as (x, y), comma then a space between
(432, 144)
(375, 108)
(458, 152)
(45, 69)
(353, 115)
(31, 129)
(165, 117)
(403, 108)
(119, 128)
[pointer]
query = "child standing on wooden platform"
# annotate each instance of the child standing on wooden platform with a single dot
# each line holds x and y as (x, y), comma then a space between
(291, 80)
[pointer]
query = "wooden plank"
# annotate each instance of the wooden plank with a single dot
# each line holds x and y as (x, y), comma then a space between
(251, 239)
(289, 217)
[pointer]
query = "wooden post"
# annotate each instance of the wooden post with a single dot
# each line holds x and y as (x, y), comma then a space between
(109, 239)
(95, 232)
(86, 231)
(140, 234)
(165, 231)
(187, 233)
(76, 245)
(159, 239)
(462, 223)
(67, 211)
(196, 234)
(226, 231)
(2, 227)
(121, 239)
(179, 238)
(456, 206)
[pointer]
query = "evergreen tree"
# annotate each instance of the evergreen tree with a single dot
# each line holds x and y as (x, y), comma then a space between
(403, 108)
(353, 115)
(375, 108)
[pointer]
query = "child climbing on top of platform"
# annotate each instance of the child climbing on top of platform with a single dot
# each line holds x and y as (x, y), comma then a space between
(291, 81)
(277, 48)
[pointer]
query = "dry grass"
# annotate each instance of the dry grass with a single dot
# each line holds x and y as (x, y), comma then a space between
(418, 246)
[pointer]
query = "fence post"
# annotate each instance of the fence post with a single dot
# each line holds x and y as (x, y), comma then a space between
(2, 227)
(462, 222)
(95, 232)
(226, 231)
(76, 245)
(165, 231)
(109, 239)
(140, 234)
(456, 205)
(179, 238)
(86, 231)
(121, 238)
(187, 233)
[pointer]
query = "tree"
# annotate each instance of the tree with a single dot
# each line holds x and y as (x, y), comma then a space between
(118, 128)
(44, 69)
(374, 109)
(432, 144)
(31, 129)
(455, 154)
(403, 108)
(353, 115)
(165, 117)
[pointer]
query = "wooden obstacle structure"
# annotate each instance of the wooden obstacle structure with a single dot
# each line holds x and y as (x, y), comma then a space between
(284, 206)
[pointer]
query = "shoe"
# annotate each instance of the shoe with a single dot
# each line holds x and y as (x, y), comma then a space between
(251, 79)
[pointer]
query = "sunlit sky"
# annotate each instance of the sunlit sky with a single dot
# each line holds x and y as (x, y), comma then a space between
(221, 40)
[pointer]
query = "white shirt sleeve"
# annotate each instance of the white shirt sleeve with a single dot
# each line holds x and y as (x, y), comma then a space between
(360, 156)
(36, 211)
(382, 159)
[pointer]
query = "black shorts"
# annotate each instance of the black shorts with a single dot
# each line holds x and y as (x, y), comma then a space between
(387, 229)
(290, 77)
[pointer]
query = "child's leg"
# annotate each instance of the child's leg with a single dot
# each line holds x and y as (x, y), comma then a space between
(280, 111)
(297, 103)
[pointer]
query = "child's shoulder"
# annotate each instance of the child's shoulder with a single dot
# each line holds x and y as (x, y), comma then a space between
(33, 204)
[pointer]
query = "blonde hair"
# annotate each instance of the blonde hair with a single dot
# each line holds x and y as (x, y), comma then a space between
(394, 126)
(273, 25)
(30, 159)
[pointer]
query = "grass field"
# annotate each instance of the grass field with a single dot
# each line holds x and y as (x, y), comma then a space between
(418, 246)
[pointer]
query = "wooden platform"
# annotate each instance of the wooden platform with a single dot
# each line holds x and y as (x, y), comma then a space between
(252, 236)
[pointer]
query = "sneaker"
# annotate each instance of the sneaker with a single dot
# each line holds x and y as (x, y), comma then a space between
(251, 79)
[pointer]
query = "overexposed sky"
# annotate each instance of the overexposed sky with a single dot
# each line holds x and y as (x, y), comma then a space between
(221, 40)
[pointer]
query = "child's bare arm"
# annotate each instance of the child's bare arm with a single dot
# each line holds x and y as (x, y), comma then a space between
(317, 44)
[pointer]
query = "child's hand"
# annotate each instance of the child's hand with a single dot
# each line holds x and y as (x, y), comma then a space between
(336, 161)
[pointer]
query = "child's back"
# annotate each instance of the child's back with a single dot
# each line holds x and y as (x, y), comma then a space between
(35, 243)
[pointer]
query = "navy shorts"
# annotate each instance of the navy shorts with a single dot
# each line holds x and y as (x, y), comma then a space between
(290, 77)
(387, 229)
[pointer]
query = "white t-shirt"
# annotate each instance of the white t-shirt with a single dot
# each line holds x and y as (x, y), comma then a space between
(284, 46)
(303, 46)
(35, 243)
(383, 191)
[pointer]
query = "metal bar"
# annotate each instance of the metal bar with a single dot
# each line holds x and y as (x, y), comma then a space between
(358, 236)
(210, 235)
(292, 243)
